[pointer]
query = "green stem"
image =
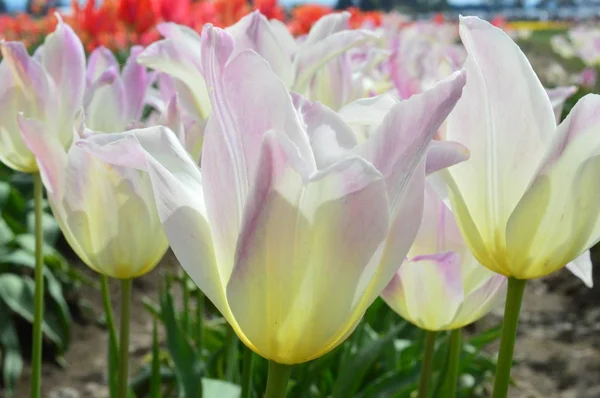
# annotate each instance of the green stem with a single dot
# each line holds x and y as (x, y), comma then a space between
(124, 339)
(427, 363)
(453, 362)
(113, 344)
(231, 352)
(108, 312)
(277, 380)
(512, 309)
(36, 356)
(186, 303)
(247, 373)
(199, 321)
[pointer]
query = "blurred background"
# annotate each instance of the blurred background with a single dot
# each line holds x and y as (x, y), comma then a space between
(510, 9)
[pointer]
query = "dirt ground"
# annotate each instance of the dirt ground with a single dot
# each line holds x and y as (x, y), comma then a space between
(84, 375)
(558, 348)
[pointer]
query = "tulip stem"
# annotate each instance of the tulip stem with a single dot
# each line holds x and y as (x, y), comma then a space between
(231, 360)
(277, 380)
(247, 373)
(200, 321)
(186, 303)
(113, 344)
(126, 285)
(453, 362)
(427, 363)
(512, 309)
(36, 355)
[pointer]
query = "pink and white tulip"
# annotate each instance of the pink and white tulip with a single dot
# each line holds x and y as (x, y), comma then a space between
(527, 201)
(47, 87)
(440, 285)
(293, 225)
(297, 63)
(106, 213)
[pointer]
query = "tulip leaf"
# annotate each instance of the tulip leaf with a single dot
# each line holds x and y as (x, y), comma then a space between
(220, 389)
(17, 292)
(53, 286)
(188, 365)
(5, 191)
(6, 234)
(155, 378)
(49, 224)
(356, 367)
(12, 361)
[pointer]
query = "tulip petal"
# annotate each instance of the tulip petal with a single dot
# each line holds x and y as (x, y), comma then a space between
(441, 274)
(581, 267)
(331, 139)
(404, 135)
(301, 253)
(442, 154)
(438, 232)
(326, 26)
(179, 56)
(254, 32)
(236, 128)
(177, 185)
(106, 110)
(481, 301)
(566, 189)
(558, 96)
(101, 59)
(135, 83)
(310, 57)
(505, 118)
(49, 152)
(13, 150)
(366, 114)
(109, 242)
(558, 217)
(29, 76)
(64, 59)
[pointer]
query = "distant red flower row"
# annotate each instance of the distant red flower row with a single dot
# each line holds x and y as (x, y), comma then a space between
(119, 24)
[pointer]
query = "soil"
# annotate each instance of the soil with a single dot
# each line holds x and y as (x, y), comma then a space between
(557, 351)
(83, 374)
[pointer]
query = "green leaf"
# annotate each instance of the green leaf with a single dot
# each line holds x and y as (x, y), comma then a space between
(220, 389)
(155, 379)
(51, 255)
(486, 337)
(357, 366)
(18, 292)
(12, 363)
(6, 234)
(53, 286)
(5, 190)
(188, 365)
(51, 228)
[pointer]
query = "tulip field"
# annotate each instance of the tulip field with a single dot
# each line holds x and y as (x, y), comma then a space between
(231, 199)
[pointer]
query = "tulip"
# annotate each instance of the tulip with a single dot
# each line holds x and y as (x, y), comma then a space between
(296, 63)
(294, 226)
(459, 290)
(108, 216)
(106, 213)
(115, 100)
(48, 88)
(527, 201)
(422, 55)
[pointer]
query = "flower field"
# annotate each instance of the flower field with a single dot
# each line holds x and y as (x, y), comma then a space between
(236, 199)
